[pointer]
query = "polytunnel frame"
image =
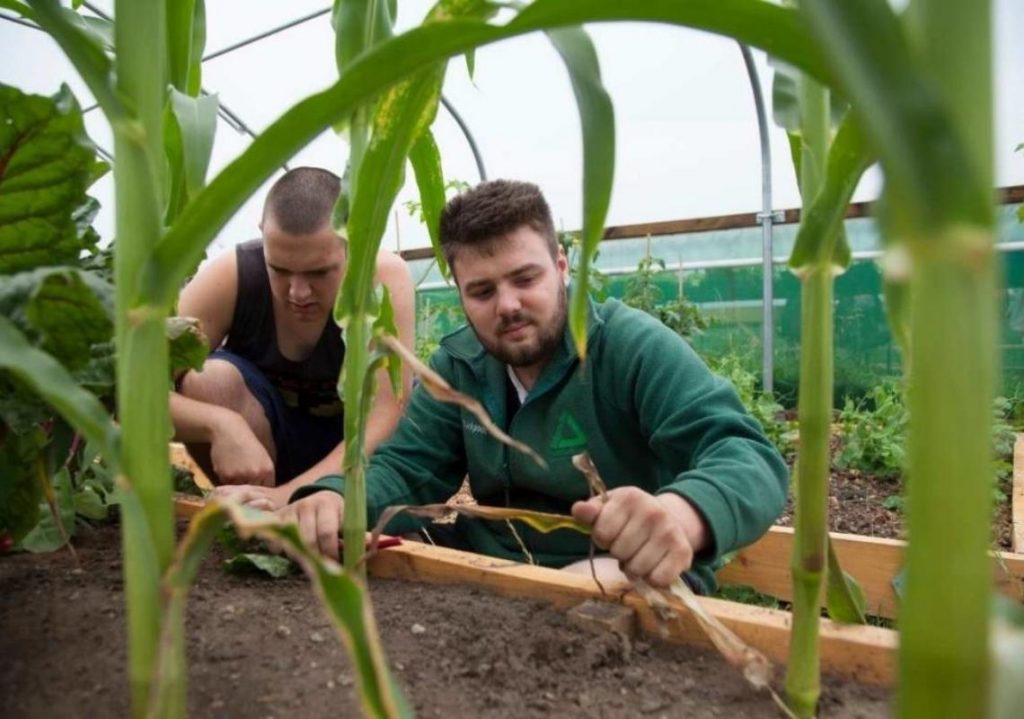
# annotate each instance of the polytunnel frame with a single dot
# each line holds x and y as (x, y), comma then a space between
(767, 216)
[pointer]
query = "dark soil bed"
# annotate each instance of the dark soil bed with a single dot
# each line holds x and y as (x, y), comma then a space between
(856, 505)
(262, 648)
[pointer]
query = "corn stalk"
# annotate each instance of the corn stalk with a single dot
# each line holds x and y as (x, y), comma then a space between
(925, 106)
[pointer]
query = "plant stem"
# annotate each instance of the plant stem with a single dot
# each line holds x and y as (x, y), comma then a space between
(803, 676)
(357, 338)
(944, 624)
(142, 362)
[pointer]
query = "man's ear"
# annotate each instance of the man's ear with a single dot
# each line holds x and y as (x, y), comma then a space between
(562, 263)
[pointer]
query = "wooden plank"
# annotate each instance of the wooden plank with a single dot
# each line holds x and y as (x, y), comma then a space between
(865, 654)
(180, 456)
(1006, 195)
(1017, 495)
(872, 561)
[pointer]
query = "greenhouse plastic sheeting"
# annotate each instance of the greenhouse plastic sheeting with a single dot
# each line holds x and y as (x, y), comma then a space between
(720, 271)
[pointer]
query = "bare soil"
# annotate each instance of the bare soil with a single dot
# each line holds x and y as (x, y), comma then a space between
(262, 648)
(856, 506)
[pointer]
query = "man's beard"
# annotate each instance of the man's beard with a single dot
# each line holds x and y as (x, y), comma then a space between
(547, 341)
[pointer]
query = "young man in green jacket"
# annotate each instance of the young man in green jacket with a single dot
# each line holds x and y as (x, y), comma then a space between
(691, 475)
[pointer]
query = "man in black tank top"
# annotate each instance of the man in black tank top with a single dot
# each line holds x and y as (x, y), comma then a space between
(263, 416)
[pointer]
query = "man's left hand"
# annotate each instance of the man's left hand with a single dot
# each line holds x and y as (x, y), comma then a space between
(654, 537)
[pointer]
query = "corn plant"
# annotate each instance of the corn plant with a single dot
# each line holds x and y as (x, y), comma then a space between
(925, 112)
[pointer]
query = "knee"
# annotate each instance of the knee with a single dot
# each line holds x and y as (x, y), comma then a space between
(218, 382)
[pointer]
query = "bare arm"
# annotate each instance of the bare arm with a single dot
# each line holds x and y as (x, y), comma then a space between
(237, 455)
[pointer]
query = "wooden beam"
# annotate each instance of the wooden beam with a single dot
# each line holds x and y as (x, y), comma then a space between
(1017, 496)
(872, 561)
(863, 653)
(181, 457)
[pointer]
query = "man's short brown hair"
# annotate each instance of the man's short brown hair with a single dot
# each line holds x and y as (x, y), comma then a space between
(491, 210)
(302, 201)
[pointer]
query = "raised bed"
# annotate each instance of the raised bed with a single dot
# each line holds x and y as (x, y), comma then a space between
(864, 653)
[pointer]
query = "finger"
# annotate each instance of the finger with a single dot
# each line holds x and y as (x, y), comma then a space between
(261, 503)
(643, 562)
(587, 511)
(631, 538)
(327, 529)
(670, 568)
(610, 523)
(307, 527)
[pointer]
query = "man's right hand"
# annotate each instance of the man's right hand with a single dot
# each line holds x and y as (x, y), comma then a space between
(319, 517)
(238, 457)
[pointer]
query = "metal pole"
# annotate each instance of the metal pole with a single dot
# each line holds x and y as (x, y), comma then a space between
(767, 216)
(469, 137)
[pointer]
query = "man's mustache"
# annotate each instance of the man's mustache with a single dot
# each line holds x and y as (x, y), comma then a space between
(511, 320)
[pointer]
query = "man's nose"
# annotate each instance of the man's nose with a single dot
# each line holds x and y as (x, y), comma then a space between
(508, 301)
(299, 288)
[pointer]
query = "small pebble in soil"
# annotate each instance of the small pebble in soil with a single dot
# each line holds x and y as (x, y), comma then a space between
(283, 631)
(417, 629)
(316, 637)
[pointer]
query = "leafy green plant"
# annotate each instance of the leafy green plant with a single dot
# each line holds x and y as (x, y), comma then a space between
(433, 319)
(678, 314)
(762, 406)
(874, 432)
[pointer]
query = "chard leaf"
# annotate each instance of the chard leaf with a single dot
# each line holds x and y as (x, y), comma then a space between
(47, 164)
(20, 491)
(188, 344)
(253, 563)
(52, 532)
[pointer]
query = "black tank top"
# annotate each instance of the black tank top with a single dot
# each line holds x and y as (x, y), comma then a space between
(310, 384)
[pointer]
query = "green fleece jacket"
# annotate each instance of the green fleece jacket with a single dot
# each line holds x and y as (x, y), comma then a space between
(643, 404)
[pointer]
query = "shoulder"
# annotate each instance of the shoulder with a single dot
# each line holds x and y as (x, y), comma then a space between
(211, 296)
(632, 340)
(392, 268)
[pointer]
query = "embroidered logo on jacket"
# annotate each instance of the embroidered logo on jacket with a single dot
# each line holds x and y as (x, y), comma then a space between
(569, 437)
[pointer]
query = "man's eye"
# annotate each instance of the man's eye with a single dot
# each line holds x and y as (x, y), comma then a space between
(525, 280)
(481, 294)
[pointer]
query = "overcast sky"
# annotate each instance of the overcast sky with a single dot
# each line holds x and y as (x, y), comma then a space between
(687, 142)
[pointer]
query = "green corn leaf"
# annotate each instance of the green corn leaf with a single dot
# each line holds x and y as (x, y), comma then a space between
(785, 98)
(85, 51)
(20, 492)
(344, 597)
(820, 238)
(45, 376)
(20, 8)
(189, 346)
(896, 292)
(404, 113)
(598, 121)
(48, 164)
(905, 120)
(844, 597)
(759, 24)
(186, 40)
(426, 164)
(190, 124)
(385, 325)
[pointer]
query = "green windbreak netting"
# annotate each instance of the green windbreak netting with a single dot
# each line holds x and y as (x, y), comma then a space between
(720, 271)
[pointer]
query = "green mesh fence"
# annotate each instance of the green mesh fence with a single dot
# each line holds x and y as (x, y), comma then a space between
(720, 272)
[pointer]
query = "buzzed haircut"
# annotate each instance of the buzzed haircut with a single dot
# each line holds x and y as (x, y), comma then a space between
(302, 201)
(479, 216)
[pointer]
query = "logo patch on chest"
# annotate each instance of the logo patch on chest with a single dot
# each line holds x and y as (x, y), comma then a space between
(568, 437)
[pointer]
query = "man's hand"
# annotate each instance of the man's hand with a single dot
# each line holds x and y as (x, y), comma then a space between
(319, 518)
(269, 499)
(238, 457)
(653, 537)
